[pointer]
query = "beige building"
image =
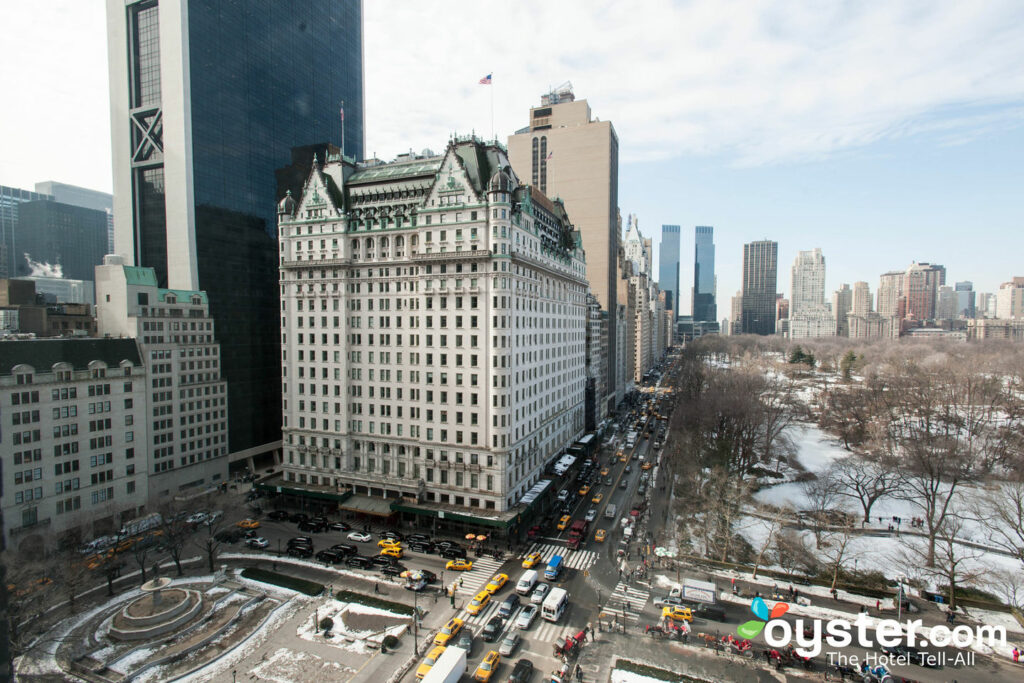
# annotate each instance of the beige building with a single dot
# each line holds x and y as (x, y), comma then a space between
(570, 155)
(1010, 299)
(861, 303)
(871, 326)
(979, 329)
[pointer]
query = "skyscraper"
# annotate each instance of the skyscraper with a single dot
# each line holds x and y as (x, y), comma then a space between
(965, 299)
(83, 196)
(861, 304)
(568, 154)
(11, 200)
(207, 100)
(704, 307)
(808, 282)
(760, 275)
(668, 266)
(842, 304)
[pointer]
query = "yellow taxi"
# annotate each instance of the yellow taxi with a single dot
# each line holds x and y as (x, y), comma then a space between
(623, 458)
(388, 543)
(564, 522)
(676, 613)
(459, 565)
(531, 560)
(496, 582)
(429, 662)
(598, 497)
(478, 602)
(600, 535)
(248, 523)
(449, 632)
(394, 551)
(487, 667)
(619, 453)
(585, 489)
(646, 466)
(604, 471)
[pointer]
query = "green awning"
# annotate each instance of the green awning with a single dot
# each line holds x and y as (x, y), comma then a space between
(305, 493)
(453, 516)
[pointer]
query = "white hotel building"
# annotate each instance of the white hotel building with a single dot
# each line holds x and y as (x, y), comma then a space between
(433, 333)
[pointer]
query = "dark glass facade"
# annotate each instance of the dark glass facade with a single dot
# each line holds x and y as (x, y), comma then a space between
(52, 232)
(704, 306)
(265, 76)
(760, 274)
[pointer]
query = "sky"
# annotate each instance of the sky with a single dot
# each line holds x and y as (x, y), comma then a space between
(884, 133)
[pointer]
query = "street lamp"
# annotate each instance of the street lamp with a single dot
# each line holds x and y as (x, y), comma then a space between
(415, 623)
(900, 578)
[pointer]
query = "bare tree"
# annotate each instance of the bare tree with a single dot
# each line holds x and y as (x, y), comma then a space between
(793, 553)
(209, 537)
(30, 587)
(723, 496)
(175, 531)
(837, 548)
(822, 494)
(865, 480)
(952, 562)
(1001, 511)
(774, 524)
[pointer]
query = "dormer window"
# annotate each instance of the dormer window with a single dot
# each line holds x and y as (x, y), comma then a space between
(170, 299)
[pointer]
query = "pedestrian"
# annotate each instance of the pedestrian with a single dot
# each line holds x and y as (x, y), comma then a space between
(1016, 655)
(835, 595)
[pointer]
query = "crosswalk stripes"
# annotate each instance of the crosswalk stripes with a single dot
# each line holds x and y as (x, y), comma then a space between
(474, 580)
(628, 598)
(573, 559)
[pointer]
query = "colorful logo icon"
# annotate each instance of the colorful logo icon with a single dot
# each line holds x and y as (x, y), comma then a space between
(751, 628)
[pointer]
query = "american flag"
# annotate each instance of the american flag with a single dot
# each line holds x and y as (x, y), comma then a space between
(486, 80)
(550, 154)
(342, 111)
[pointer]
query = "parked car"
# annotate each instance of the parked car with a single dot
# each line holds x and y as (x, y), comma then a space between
(393, 569)
(418, 538)
(278, 515)
(527, 616)
(492, 630)
(312, 526)
(330, 556)
(382, 560)
(300, 551)
(339, 526)
(345, 548)
(421, 547)
(298, 517)
(393, 535)
(359, 562)
(510, 643)
(453, 553)
(300, 540)
(360, 536)
(447, 544)
(428, 576)
(197, 518)
(259, 542)
(229, 535)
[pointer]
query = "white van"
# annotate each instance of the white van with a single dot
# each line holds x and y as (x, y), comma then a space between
(527, 581)
(609, 512)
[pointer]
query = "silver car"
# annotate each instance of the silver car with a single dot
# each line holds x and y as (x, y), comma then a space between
(527, 616)
(539, 593)
(591, 515)
(510, 643)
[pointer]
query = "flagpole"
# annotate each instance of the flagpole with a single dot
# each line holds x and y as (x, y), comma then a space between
(343, 130)
(492, 107)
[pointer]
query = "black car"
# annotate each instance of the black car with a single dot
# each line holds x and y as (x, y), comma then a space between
(421, 547)
(509, 606)
(229, 535)
(913, 655)
(712, 612)
(298, 517)
(311, 526)
(428, 576)
(393, 569)
(418, 538)
(320, 519)
(340, 526)
(278, 515)
(447, 544)
(393, 535)
(466, 641)
(300, 551)
(345, 549)
(492, 630)
(359, 562)
(522, 672)
(383, 560)
(300, 540)
(330, 556)
(453, 553)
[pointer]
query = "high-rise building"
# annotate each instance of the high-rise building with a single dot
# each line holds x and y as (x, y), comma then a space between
(921, 288)
(434, 312)
(986, 305)
(1010, 299)
(207, 100)
(668, 266)
(83, 196)
(186, 393)
(11, 200)
(842, 304)
(808, 282)
(760, 275)
(68, 240)
(890, 294)
(964, 299)
(704, 285)
(861, 303)
(946, 303)
(568, 154)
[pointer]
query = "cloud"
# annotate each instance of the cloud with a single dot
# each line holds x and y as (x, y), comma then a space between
(759, 83)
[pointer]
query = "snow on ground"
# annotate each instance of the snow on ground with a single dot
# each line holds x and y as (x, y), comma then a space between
(620, 676)
(360, 608)
(312, 564)
(217, 590)
(286, 666)
(342, 637)
(131, 660)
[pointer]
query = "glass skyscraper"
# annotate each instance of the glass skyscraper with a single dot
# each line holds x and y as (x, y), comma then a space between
(760, 275)
(668, 266)
(704, 307)
(208, 97)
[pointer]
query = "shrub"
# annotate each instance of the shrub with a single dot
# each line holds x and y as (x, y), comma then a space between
(370, 601)
(326, 624)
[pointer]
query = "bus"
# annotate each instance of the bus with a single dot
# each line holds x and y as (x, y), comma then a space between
(554, 604)
(554, 568)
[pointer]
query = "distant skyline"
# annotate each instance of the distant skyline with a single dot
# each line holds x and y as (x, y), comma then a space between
(882, 133)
